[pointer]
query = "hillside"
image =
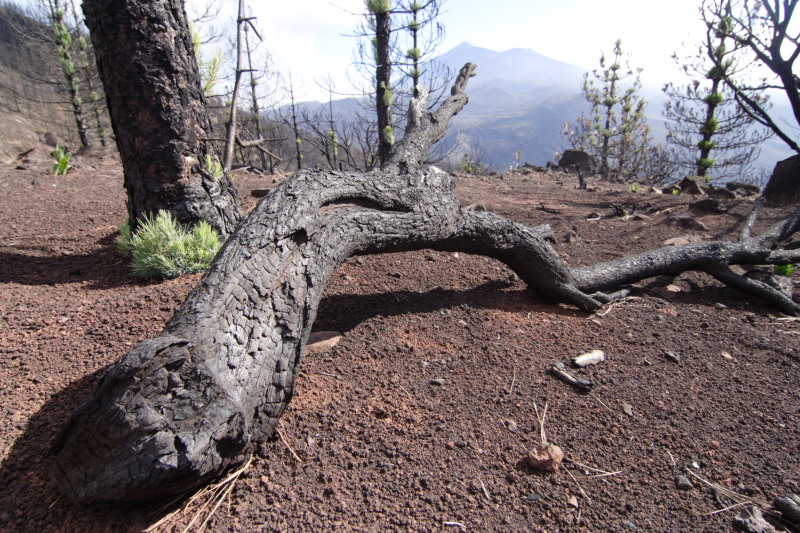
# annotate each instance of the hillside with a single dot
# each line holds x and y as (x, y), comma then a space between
(31, 100)
(422, 415)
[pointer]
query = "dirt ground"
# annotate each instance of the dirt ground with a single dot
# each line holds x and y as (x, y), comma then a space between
(420, 419)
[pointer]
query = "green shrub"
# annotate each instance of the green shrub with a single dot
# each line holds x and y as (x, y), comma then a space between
(785, 270)
(213, 168)
(61, 164)
(162, 248)
(124, 239)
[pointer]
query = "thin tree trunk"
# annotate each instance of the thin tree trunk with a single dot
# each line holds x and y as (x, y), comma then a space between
(230, 137)
(383, 87)
(265, 164)
(147, 64)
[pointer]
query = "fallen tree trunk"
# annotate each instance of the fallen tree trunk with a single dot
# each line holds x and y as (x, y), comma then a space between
(178, 409)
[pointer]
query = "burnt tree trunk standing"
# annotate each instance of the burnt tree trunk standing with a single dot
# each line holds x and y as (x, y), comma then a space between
(146, 61)
(383, 88)
(176, 410)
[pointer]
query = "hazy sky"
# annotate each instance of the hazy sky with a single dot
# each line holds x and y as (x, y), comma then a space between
(310, 37)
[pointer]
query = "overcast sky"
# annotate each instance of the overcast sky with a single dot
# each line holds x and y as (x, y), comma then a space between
(310, 37)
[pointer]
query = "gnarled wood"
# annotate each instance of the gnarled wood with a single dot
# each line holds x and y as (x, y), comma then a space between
(177, 409)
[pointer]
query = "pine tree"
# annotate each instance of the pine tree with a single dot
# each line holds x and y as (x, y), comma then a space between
(65, 44)
(402, 34)
(759, 33)
(615, 130)
(712, 135)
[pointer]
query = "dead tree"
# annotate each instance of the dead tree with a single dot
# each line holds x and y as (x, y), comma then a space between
(178, 409)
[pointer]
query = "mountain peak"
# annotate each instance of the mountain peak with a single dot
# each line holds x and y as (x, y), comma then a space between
(514, 65)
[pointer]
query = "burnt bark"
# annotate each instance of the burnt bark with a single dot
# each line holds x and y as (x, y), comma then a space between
(146, 62)
(178, 409)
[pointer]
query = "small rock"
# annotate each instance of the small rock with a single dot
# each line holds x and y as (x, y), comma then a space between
(750, 520)
(722, 194)
(589, 358)
(673, 288)
(711, 205)
(430, 257)
(573, 502)
(627, 524)
(744, 189)
(727, 356)
(694, 185)
(545, 457)
(682, 240)
(310, 440)
(462, 323)
(672, 356)
(627, 409)
(683, 483)
(322, 341)
(510, 425)
(533, 497)
(62, 320)
(687, 222)
(571, 237)
(437, 382)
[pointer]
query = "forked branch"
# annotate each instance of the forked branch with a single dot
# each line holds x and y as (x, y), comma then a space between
(177, 410)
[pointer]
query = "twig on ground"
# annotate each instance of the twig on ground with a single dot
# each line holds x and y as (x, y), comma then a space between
(541, 420)
(602, 473)
(329, 375)
(674, 462)
(546, 209)
(485, 492)
(286, 442)
(602, 403)
(407, 394)
(578, 484)
(730, 507)
(55, 502)
(735, 496)
(513, 380)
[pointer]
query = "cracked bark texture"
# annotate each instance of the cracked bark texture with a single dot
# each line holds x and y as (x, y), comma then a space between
(146, 60)
(177, 410)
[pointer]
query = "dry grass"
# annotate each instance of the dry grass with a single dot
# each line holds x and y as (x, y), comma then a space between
(201, 507)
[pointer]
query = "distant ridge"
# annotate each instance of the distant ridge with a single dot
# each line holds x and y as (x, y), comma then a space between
(520, 99)
(515, 65)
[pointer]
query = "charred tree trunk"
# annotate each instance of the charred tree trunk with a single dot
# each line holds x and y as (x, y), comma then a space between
(383, 89)
(176, 410)
(146, 61)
